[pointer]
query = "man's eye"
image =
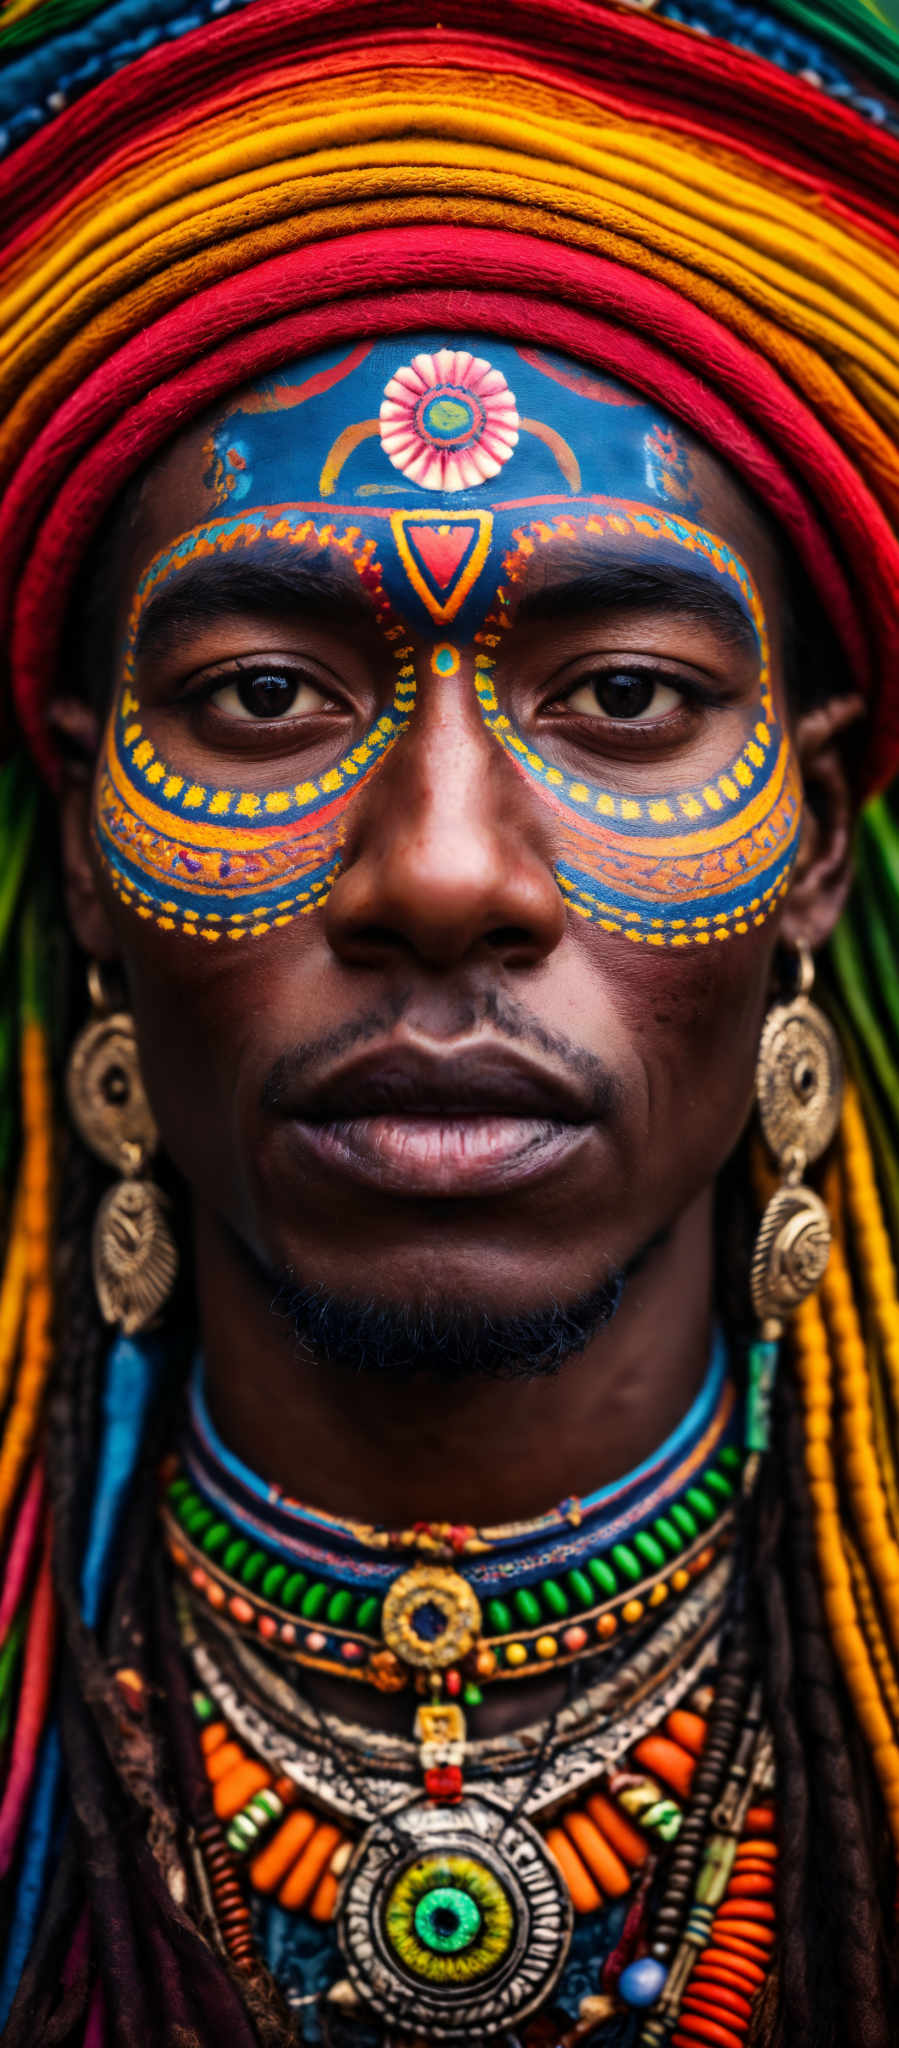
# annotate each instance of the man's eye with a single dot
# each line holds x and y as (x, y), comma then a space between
(268, 693)
(639, 698)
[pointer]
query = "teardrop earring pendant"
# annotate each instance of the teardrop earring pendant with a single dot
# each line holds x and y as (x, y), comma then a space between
(799, 1090)
(133, 1252)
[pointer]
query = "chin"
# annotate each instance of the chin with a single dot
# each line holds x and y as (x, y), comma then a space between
(445, 1334)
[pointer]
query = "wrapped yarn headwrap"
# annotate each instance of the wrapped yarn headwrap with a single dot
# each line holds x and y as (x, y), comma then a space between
(703, 221)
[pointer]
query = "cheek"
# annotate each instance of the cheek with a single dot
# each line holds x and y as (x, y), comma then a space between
(212, 863)
(205, 857)
(670, 876)
(221, 883)
(687, 867)
(695, 1022)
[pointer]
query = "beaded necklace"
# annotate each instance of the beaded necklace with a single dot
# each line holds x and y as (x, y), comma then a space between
(515, 1599)
(454, 1871)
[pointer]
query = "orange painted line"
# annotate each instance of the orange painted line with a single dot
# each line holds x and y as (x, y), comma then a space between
(681, 845)
(218, 836)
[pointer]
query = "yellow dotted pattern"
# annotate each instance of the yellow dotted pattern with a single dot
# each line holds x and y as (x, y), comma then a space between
(677, 809)
(225, 536)
(239, 806)
(211, 925)
(737, 779)
(675, 931)
(739, 776)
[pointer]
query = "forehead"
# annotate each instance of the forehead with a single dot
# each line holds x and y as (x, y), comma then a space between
(444, 448)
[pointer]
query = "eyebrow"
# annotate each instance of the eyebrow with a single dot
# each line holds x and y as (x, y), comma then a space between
(231, 586)
(617, 586)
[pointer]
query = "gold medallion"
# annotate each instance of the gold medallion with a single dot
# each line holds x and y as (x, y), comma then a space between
(791, 1252)
(431, 1617)
(134, 1256)
(799, 1080)
(106, 1094)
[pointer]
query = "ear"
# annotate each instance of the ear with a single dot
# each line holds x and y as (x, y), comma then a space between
(825, 742)
(76, 729)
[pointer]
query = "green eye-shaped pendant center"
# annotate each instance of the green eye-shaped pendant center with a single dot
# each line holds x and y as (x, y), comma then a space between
(447, 1919)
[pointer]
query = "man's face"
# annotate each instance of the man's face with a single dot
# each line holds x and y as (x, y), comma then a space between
(445, 813)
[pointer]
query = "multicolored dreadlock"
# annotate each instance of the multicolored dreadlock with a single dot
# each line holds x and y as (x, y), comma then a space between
(700, 198)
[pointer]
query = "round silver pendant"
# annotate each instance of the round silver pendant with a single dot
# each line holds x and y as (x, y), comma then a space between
(454, 1921)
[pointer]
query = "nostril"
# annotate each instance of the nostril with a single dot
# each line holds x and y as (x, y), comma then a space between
(510, 938)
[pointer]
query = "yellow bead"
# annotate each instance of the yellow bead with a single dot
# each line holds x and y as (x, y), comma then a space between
(632, 1611)
(658, 1594)
(516, 1653)
(680, 1580)
(546, 1647)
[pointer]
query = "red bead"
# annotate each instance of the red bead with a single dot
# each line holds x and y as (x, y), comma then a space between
(760, 1820)
(444, 1783)
(453, 1683)
(751, 1885)
(742, 1908)
(702, 2029)
(742, 1969)
(738, 1945)
(716, 2003)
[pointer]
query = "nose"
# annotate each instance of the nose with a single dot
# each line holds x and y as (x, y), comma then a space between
(445, 856)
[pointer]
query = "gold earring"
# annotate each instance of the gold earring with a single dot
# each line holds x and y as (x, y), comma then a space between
(799, 1088)
(134, 1256)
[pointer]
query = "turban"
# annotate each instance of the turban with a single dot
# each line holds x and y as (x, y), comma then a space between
(699, 199)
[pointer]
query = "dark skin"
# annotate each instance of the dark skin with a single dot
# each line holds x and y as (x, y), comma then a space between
(445, 922)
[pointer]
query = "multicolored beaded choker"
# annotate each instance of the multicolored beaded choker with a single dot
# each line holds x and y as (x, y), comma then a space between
(448, 1607)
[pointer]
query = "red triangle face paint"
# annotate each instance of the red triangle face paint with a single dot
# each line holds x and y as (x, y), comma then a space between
(443, 556)
(441, 549)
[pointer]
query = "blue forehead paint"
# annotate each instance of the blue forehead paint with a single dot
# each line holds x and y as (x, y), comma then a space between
(438, 450)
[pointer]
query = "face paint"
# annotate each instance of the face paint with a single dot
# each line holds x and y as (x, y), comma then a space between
(678, 868)
(222, 862)
(439, 427)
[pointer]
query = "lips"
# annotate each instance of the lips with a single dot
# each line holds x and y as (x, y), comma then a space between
(415, 1081)
(413, 1121)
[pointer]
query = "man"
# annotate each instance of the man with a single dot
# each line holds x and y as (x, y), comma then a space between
(454, 703)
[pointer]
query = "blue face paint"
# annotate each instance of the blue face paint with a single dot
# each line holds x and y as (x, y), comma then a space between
(439, 450)
(441, 470)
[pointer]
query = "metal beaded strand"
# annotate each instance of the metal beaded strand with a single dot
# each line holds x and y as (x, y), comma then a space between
(724, 1726)
(725, 1720)
(722, 1757)
(231, 1910)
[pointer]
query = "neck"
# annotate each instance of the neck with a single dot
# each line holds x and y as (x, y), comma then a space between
(482, 1451)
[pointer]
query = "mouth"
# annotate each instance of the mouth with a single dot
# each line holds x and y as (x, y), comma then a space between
(411, 1122)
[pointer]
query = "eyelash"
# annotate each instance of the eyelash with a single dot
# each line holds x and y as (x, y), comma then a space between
(253, 671)
(591, 729)
(696, 696)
